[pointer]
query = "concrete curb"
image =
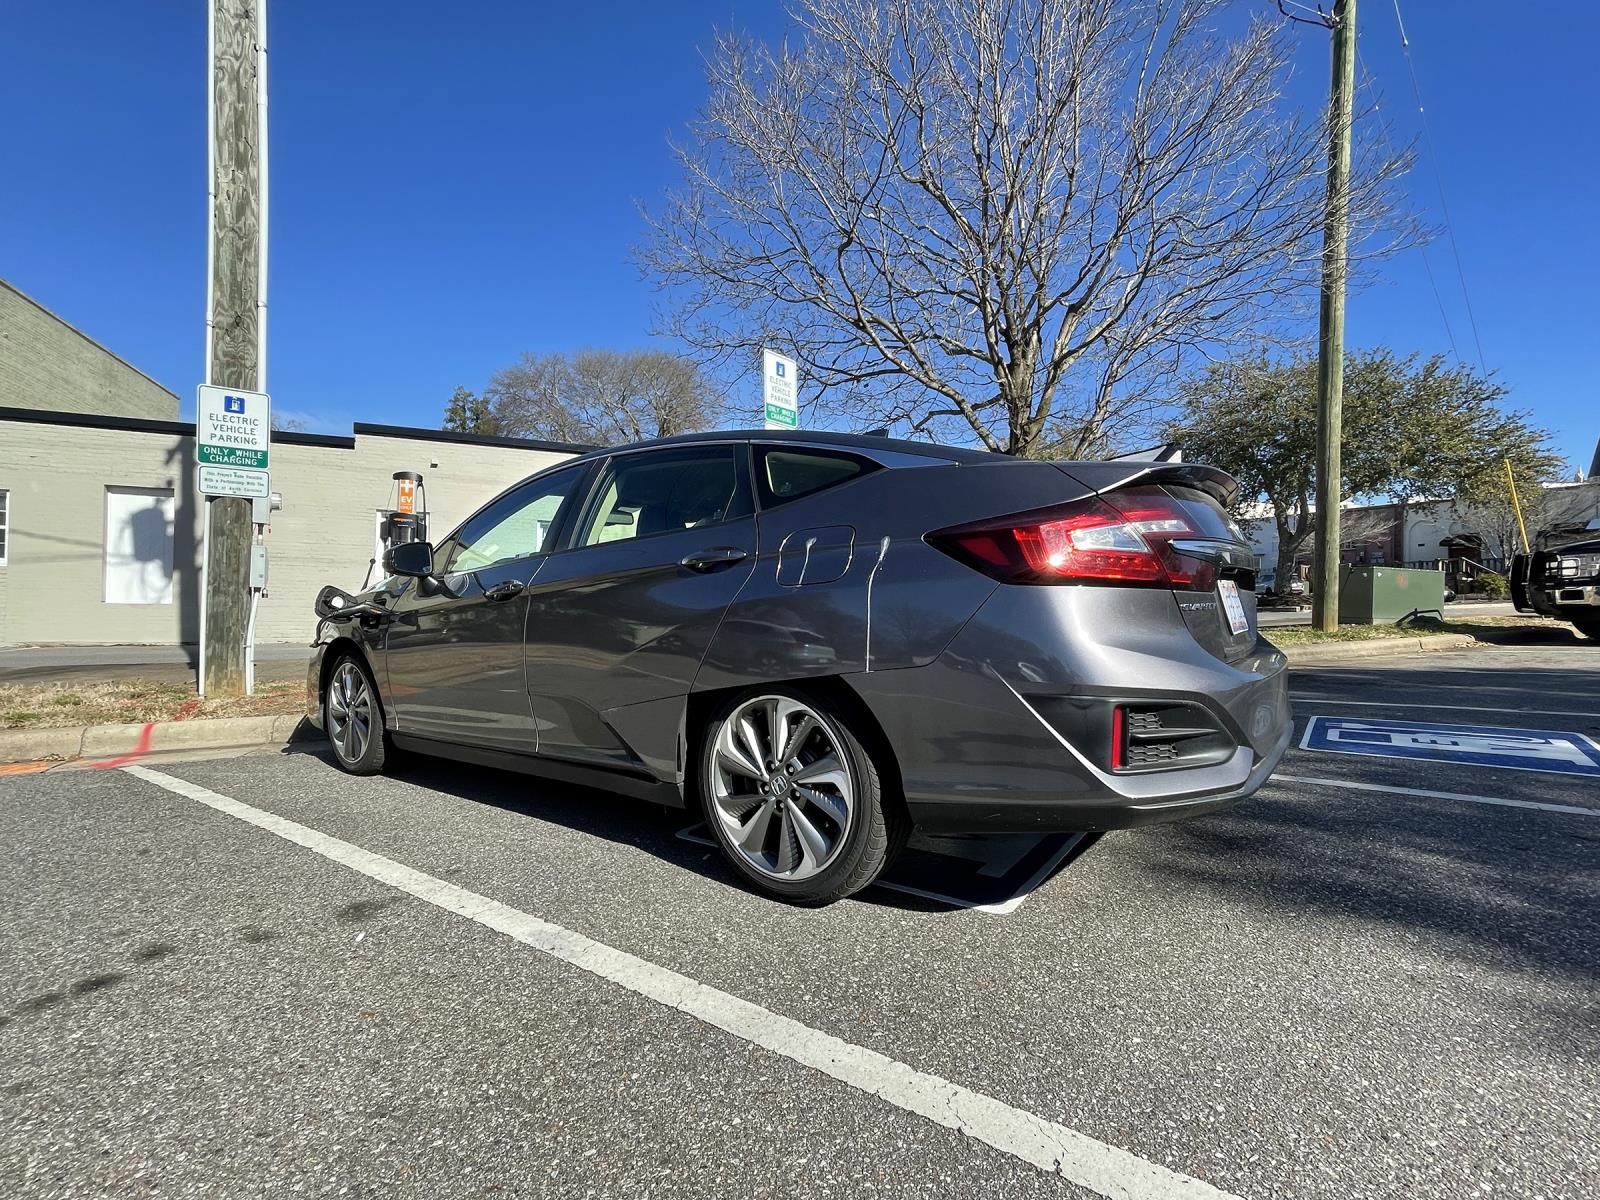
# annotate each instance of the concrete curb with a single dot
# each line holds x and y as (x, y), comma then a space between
(112, 741)
(1375, 647)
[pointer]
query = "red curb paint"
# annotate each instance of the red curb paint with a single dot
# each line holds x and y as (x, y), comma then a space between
(140, 749)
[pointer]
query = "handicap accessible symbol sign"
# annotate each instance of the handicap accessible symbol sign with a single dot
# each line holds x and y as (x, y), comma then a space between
(1551, 750)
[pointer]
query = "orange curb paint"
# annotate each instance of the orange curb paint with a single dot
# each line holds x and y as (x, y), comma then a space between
(25, 768)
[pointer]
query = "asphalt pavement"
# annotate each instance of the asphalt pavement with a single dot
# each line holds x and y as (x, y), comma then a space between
(256, 975)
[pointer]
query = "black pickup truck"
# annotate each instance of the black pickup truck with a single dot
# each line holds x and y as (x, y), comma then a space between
(1561, 578)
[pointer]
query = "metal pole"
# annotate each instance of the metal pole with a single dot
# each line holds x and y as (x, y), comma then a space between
(1330, 325)
(261, 312)
(1516, 505)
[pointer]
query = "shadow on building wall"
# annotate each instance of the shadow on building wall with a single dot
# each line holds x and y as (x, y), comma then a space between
(186, 549)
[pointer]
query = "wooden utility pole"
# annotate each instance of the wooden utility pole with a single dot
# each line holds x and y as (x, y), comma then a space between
(236, 320)
(1330, 326)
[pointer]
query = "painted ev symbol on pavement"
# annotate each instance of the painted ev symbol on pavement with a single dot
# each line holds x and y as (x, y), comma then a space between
(1552, 750)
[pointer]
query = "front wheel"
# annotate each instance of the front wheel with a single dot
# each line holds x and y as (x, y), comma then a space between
(352, 718)
(794, 799)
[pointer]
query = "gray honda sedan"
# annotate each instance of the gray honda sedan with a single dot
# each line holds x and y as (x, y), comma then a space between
(822, 641)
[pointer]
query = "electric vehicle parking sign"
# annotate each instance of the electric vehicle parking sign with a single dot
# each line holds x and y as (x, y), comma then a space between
(233, 428)
(1552, 750)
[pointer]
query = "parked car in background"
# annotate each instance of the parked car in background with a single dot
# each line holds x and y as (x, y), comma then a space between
(819, 641)
(1267, 587)
(1561, 578)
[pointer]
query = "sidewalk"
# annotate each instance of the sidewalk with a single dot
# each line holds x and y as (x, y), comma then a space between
(162, 664)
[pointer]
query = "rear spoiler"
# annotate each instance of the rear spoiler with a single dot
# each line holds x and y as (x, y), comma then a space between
(1108, 476)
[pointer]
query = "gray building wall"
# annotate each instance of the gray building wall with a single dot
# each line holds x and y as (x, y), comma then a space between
(53, 586)
(47, 364)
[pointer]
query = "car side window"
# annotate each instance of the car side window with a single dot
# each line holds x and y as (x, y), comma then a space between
(783, 475)
(516, 525)
(665, 491)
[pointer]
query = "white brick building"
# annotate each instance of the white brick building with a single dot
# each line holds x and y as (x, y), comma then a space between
(100, 524)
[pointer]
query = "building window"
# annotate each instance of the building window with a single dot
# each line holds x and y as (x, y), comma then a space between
(138, 550)
(5, 522)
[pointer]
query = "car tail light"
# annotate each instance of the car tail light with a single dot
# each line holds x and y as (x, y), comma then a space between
(1125, 539)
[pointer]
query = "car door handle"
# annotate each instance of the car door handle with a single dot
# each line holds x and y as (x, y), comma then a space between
(710, 560)
(503, 591)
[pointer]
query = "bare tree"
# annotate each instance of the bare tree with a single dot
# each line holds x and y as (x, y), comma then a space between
(603, 397)
(997, 218)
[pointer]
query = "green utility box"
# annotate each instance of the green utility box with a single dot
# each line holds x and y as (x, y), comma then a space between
(1376, 595)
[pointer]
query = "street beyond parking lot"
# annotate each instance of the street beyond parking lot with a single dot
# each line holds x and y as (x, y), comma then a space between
(244, 976)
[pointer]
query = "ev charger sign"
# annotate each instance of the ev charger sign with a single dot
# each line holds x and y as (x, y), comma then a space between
(232, 439)
(1552, 750)
(780, 391)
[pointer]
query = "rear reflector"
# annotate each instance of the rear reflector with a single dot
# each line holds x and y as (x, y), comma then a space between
(1124, 539)
(1116, 738)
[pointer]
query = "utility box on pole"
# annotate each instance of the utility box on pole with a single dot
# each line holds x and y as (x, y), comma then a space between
(236, 320)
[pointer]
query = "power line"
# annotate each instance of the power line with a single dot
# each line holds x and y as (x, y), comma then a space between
(1438, 179)
(1422, 251)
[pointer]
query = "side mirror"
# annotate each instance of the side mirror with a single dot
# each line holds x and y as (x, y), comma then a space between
(412, 559)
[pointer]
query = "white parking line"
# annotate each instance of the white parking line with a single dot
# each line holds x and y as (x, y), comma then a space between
(1105, 1169)
(1537, 712)
(1431, 795)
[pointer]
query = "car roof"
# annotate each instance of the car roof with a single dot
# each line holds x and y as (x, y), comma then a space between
(811, 437)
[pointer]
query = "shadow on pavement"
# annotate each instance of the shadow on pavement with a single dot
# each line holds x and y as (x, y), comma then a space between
(1515, 891)
(1575, 688)
(959, 873)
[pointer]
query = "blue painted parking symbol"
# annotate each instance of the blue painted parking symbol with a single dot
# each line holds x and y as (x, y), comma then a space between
(1552, 750)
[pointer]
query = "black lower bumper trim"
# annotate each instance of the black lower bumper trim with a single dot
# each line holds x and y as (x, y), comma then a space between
(1092, 816)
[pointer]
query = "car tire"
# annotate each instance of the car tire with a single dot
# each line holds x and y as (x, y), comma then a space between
(352, 717)
(803, 819)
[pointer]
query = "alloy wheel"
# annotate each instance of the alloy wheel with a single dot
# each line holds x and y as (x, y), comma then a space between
(781, 787)
(349, 712)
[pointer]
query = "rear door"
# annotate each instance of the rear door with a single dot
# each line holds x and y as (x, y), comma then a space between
(619, 622)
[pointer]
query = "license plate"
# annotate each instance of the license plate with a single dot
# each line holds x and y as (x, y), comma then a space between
(1228, 590)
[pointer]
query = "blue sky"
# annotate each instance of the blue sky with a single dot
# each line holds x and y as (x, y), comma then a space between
(455, 184)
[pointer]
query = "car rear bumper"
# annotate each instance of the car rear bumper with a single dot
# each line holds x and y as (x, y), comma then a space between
(1112, 812)
(987, 739)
